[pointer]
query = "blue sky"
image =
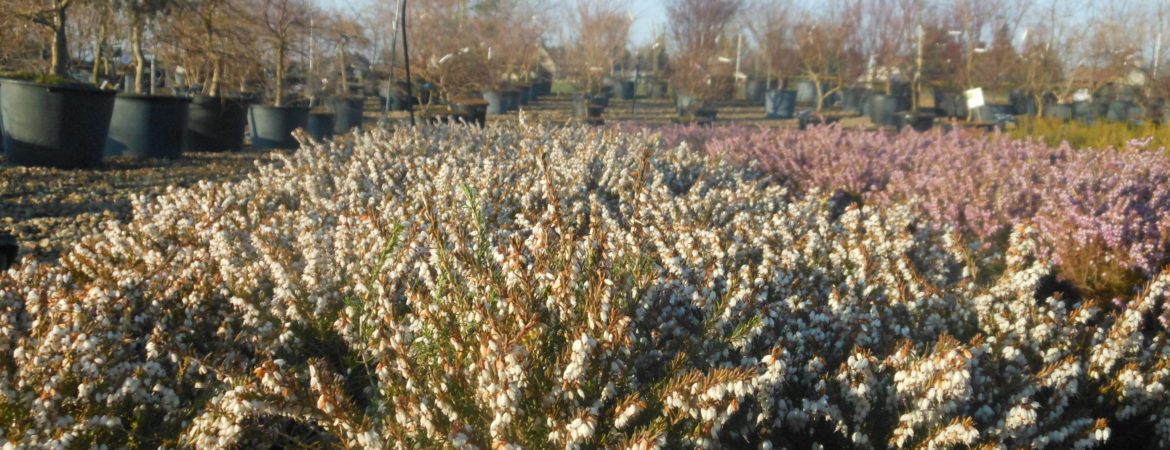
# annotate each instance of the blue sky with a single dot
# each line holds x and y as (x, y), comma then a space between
(649, 16)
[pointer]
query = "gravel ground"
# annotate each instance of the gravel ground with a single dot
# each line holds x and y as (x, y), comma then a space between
(50, 209)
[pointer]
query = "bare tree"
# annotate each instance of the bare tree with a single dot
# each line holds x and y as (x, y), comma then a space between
(696, 28)
(138, 15)
(53, 15)
(888, 29)
(826, 46)
(771, 24)
(94, 23)
(598, 31)
(444, 47)
(281, 22)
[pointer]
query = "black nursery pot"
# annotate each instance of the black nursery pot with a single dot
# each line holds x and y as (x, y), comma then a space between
(882, 109)
(1059, 111)
(853, 98)
(347, 113)
(629, 89)
(780, 104)
(753, 91)
(320, 125)
(215, 124)
(8, 251)
(272, 126)
(147, 126)
(472, 112)
(61, 126)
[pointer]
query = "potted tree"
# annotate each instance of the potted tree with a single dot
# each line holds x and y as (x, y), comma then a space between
(49, 119)
(771, 24)
(145, 125)
(446, 51)
(280, 22)
(208, 39)
(827, 51)
(344, 34)
(599, 31)
(696, 28)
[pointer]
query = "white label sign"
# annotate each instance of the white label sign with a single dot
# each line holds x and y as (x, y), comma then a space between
(974, 98)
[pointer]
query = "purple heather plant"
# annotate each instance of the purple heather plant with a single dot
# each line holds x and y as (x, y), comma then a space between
(1111, 203)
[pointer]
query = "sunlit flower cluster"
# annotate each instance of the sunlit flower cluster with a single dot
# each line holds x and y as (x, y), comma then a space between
(534, 287)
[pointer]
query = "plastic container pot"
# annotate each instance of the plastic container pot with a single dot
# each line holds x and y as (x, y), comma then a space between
(320, 125)
(54, 125)
(629, 89)
(852, 99)
(882, 109)
(780, 104)
(147, 126)
(272, 126)
(347, 113)
(497, 102)
(472, 111)
(806, 93)
(215, 124)
(8, 251)
(513, 99)
(1059, 111)
(754, 91)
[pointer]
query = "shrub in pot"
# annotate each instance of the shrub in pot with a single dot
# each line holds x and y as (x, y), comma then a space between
(55, 123)
(147, 126)
(215, 124)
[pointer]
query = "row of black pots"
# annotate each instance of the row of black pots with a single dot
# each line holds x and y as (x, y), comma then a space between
(590, 105)
(75, 126)
(500, 102)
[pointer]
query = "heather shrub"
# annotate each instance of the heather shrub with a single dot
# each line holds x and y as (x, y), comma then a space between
(540, 287)
(1155, 135)
(1101, 213)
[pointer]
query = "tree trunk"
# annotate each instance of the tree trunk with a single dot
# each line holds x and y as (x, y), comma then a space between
(213, 85)
(59, 58)
(279, 100)
(344, 81)
(820, 93)
(139, 57)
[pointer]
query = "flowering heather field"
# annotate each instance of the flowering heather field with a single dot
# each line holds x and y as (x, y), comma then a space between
(1102, 215)
(539, 287)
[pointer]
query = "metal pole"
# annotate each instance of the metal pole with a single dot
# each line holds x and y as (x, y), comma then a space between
(152, 76)
(312, 64)
(393, 60)
(406, 62)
